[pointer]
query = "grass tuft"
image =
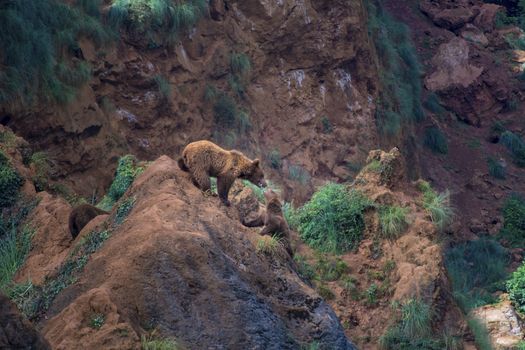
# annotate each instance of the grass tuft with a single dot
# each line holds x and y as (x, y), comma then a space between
(437, 205)
(435, 140)
(269, 245)
(393, 221)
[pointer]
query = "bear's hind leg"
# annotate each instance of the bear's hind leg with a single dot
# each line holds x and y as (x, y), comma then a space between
(223, 187)
(201, 180)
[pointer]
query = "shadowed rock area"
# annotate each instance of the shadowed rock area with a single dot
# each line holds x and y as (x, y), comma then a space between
(15, 331)
(184, 265)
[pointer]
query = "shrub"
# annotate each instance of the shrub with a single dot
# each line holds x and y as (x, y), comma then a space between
(516, 289)
(516, 147)
(393, 221)
(496, 169)
(127, 171)
(435, 140)
(513, 230)
(476, 269)
(333, 221)
(37, 38)
(10, 182)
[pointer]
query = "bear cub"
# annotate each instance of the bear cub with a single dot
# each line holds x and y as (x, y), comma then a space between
(203, 159)
(274, 221)
(81, 215)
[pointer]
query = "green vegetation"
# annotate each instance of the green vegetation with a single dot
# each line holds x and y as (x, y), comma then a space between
(330, 269)
(516, 289)
(304, 269)
(496, 169)
(433, 104)
(97, 321)
(127, 170)
(513, 230)
(240, 64)
(327, 126)
(371, 294)
(270, 245)
(36, 300)
(124, 209)
(152, 343)
(14, 247)
(40, 163)
(393, 221)
(435, 140)
(325, 292)
(516, 147)
(275, 159)
(257, 191)
(437, 205)
(161, 21)
(163, 87)
(412, 329)
(476, 270)
(38, 38)
(228, 116)
(400, 75)
(10, 182)
(299, 174)
(333, 219)
(481, 336)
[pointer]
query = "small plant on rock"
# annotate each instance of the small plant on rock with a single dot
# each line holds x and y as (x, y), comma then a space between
(97, 321)
(270, 245)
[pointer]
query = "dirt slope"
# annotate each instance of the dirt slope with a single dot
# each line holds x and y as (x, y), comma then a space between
(184, 265)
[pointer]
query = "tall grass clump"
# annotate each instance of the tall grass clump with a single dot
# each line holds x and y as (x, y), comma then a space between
(476, 270)
(516, 146)
(10, 182)
(38, 38)
(496, 169)
(513, 230)
(433, 104)
(14, 247)
(163, 87)
(393, 221)
(162, 21)
(333, 219)
(412, 328)
(228, 116)
(240, 64)
(435, 140)
(400, 71)
(437, 205)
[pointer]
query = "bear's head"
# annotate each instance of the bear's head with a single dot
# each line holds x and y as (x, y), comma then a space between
(254, 174)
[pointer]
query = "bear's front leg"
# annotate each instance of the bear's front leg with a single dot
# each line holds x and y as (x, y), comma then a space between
(223, 188)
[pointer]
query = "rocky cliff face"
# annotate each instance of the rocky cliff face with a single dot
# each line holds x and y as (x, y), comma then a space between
(309, 95)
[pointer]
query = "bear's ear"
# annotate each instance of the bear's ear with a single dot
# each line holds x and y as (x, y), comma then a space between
(255, 162)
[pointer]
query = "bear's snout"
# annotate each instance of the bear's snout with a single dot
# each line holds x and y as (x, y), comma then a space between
(262, 183)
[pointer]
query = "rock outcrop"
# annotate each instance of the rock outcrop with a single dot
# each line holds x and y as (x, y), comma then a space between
(15, 331)
(184, 265)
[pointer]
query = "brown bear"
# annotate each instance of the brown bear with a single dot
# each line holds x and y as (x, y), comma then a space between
(203, 159)
(274, 221)
(81, 215)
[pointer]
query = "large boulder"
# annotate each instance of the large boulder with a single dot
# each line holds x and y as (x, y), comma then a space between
(184, 265)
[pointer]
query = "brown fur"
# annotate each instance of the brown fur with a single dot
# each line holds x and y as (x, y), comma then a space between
(203, 159)
(274, 221)
(80, 216)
